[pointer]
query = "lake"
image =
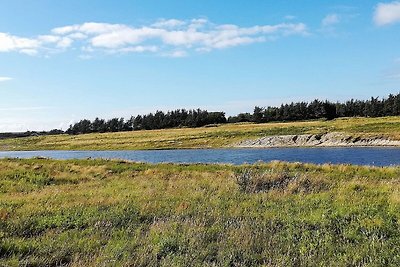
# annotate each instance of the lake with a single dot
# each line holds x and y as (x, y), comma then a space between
(382, 156)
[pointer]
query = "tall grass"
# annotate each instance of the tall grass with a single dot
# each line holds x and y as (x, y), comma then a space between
(113, 213)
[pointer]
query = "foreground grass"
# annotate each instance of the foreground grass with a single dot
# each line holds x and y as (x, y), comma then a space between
(110, 213)
(205, 137)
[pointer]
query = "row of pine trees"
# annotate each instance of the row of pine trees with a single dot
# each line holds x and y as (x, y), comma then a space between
(316, 109)
(158, 120)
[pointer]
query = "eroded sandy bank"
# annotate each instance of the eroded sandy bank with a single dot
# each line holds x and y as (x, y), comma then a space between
(318, 140)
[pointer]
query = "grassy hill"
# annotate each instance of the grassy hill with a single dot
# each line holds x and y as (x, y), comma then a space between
(113, 213)
(205, 137)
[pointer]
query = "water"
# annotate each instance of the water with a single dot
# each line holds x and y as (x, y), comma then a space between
(383, 156)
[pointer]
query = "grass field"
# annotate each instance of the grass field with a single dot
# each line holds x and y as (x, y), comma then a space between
(113, 213)
(205, 137)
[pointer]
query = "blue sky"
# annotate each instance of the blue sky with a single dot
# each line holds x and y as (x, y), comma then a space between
(61, 61)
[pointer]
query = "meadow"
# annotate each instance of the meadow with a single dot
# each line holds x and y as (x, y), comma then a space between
(218, 136)
(117, 213)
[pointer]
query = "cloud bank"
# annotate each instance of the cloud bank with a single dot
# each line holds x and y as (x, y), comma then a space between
(387, 13)
(171, 37)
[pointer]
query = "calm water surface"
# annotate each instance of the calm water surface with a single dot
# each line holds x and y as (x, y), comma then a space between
(360, 156)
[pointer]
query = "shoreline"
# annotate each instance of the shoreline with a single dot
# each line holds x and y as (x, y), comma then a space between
(233, 147)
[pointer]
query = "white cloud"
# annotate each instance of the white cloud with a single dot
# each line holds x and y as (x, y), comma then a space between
(65, 29)
(64, 42)
(387, 13)
(10, 43)
(29, 51)
(77, 36)
(139, 49)
(88, 28)
(175, 35)
(48, 38)
(170, 23)
(197, 23)
(330, 20)
(125, 36)
(4, 79)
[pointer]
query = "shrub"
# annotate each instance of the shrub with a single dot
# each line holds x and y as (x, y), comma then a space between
(251, 181)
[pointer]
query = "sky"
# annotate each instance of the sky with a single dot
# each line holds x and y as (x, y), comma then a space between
(62, 61)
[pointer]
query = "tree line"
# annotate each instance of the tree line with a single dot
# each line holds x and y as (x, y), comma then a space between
(373, 107)
(294, 111)
(158, 120)
(317, 109)
(29, 133)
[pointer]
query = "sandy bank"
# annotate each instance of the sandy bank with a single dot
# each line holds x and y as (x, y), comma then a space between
(317, 140)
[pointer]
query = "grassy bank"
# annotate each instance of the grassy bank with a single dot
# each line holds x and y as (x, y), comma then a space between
(109, 213)
(205, 137)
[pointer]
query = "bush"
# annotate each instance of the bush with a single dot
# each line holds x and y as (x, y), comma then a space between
(251, 181)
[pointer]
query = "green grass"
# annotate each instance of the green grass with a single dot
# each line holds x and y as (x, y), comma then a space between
(116, 213)
(205, 137)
